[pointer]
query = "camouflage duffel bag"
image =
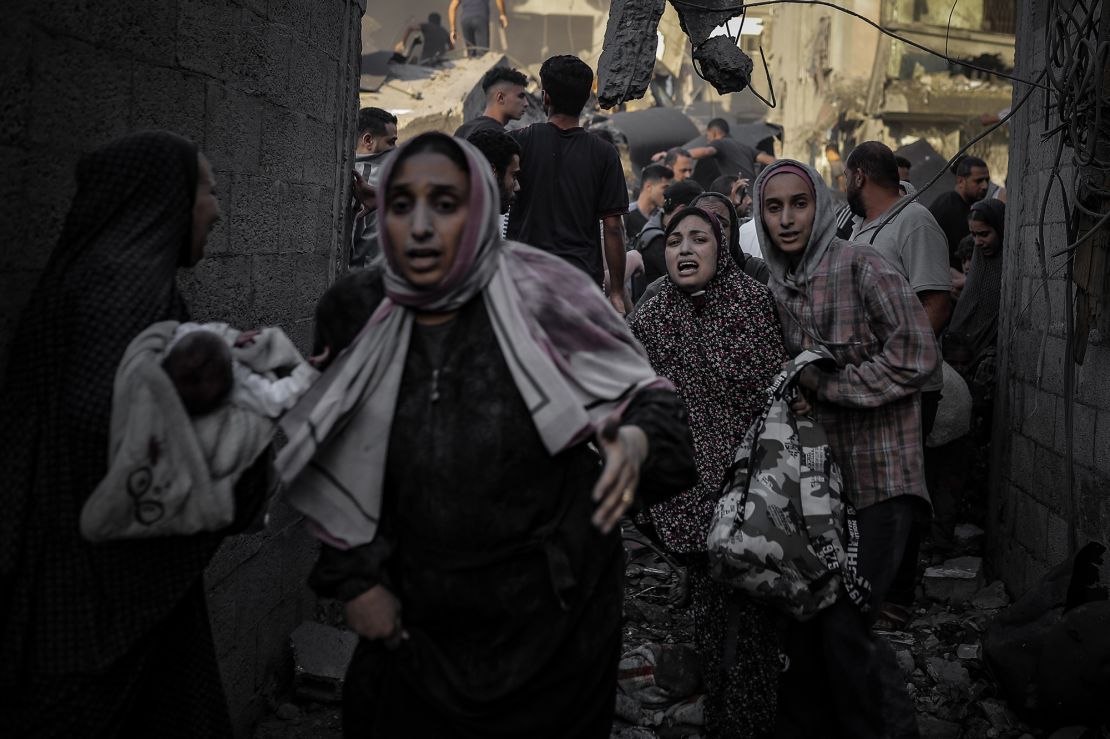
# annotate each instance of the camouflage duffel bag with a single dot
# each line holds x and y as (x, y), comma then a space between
(778, 532)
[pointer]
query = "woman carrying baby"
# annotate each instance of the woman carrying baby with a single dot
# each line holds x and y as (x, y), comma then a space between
(107, 639)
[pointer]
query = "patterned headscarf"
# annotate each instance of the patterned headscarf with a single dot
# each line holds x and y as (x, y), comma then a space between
(721, 349)
(78, 606)
(572, 357)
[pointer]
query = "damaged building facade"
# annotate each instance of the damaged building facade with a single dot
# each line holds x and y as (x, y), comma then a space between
(852, 83)
(834, 79)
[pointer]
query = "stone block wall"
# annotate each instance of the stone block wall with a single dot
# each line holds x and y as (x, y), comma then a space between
(267, 89)
(1029, 507)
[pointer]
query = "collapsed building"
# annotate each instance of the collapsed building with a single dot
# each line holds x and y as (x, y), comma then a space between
(834, 79)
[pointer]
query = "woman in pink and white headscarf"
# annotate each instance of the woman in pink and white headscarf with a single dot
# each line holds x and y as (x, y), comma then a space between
(443, 457)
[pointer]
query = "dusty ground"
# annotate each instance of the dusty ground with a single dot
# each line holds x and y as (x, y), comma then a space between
(938, 651)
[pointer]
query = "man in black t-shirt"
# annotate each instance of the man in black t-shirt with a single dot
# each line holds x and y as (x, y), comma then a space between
(570, 180)
(432, 38)
(506, 100)
(731, 156)
(951, 209)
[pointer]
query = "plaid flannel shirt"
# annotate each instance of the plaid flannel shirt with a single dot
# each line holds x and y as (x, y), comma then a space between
(864, 312)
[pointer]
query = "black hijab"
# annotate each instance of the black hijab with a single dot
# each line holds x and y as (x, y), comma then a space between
(69, 605)
(974, 321)
(753, 267)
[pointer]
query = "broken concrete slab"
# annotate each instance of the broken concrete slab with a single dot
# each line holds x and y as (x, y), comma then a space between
(905, 661)
(949, 674)
(724, 65)
(321, 654)
(627, 60)
(955, 581)
(991, 597)
(999, 714)
(969, 651)
(968, 533)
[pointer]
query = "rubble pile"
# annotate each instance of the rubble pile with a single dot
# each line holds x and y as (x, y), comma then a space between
(939, 652)
(659, 693)
(659, 678)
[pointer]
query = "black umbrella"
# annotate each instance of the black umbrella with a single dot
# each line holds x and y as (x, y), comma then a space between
(759, 135)
(926, 162)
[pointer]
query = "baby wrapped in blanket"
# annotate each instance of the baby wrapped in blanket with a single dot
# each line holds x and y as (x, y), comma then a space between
(193, 405)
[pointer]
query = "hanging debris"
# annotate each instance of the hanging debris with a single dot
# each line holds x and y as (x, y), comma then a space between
(628, 56)
(699, 21)
(723, 65)
(628, 59)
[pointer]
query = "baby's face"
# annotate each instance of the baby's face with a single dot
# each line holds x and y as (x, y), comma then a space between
(199, 366)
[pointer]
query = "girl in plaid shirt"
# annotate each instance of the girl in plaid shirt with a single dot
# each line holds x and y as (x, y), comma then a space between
(846, 297)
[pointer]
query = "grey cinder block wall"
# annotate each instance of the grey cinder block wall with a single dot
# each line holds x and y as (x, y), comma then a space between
(267, 88)
(1028, 511)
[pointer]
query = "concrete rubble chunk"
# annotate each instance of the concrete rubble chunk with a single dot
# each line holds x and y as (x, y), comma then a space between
(999, 714)
(969, 651)
(320, 657)
(627, 60)
(723, 65)
(949, 674)
(699, 19)
(991, 597)
(968, 533)
(905, 661)
(955, 581)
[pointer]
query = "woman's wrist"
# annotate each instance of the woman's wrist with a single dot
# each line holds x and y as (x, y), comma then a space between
(636, 443)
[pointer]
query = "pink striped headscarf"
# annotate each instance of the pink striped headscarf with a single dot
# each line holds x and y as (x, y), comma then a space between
(572, 357)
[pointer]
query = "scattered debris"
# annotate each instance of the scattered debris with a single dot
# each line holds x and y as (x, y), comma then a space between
(991, 597)
(955, 581)
(724, 65)
(969, 651)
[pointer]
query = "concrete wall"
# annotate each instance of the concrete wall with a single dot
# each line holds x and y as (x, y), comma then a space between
(267, 89)
(1028, 507)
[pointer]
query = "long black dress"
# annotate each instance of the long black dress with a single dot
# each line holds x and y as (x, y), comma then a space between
(511, 597)
(109, 639)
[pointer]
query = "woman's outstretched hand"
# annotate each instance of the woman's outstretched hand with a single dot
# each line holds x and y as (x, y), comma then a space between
(376, 615)
(625, 448)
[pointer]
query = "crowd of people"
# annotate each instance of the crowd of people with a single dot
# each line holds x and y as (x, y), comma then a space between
(520, 356)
